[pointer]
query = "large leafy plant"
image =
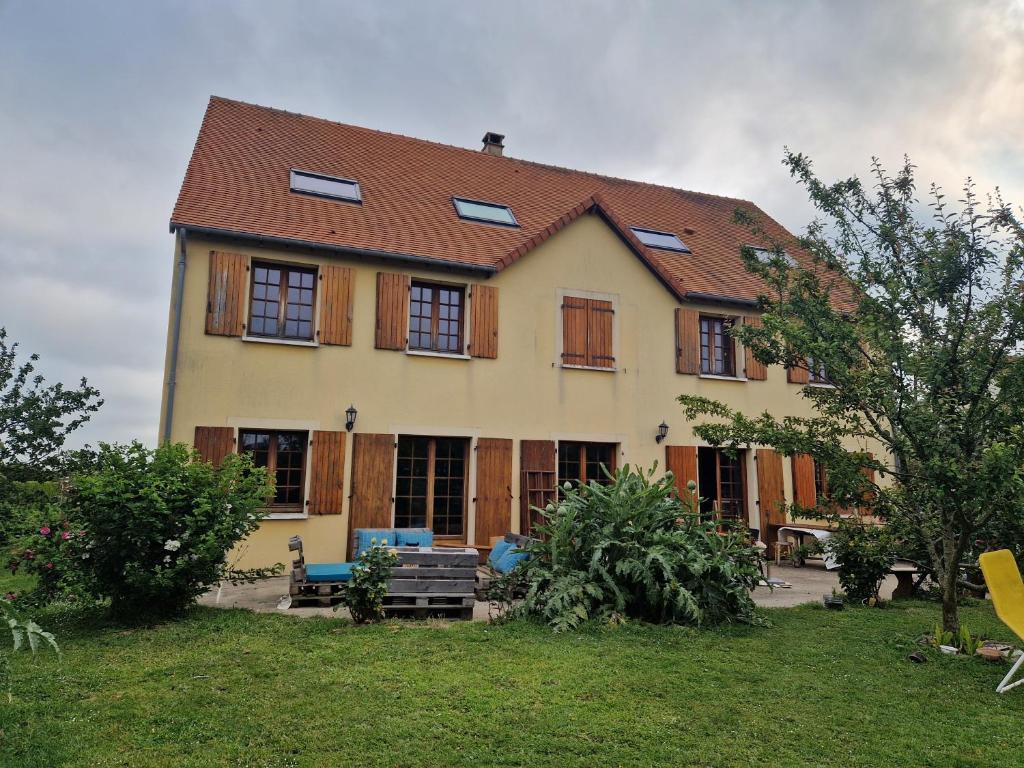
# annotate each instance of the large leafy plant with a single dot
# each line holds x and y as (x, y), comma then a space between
(25, 633)
(633, 550)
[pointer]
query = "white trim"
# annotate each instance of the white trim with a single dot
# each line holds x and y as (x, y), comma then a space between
(587, 367)
(425, 353)
(715, 377)
(286, 515)
(286, 342)
(613, 298)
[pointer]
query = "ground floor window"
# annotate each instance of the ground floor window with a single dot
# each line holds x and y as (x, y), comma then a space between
(582, 462)
(820, 482)
(722, 482)
(430, 486)
(284, 456)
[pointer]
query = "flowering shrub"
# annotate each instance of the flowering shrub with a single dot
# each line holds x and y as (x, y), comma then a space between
(53, 553)
(371, 574)
(159, 523)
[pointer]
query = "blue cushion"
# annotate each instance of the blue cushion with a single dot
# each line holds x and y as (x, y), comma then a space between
(497, 551)
(329, 572)
(383, 536)
(411, 538)
(510, 560)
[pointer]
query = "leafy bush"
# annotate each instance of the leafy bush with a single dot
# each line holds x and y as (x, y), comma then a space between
(24, 633)
(24, 506)
(631, 549)
(865, 554)
(52, 552)
(159, 523)
(371, 574)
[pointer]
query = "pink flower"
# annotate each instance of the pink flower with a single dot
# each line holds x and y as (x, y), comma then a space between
(49, 566)
(65, 536)
(45, 530)
(10, 597)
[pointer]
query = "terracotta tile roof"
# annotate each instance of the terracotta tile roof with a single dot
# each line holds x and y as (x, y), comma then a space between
(238, 181)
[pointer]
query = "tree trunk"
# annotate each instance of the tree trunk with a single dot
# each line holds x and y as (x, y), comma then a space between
(950, 603)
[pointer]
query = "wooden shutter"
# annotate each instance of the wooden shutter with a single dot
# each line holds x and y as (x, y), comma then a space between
(756, 370)
(771, 494)
(574, 331)
(600, 321)
(804, 492)
(373, 465)
(392, 310)
(336, 284)
(225, 298)
(483, 306)
(493, 488)
(538, 479)
(327, 479)
(681, 461)
(796, 375)
(687, 341)
(214, 443)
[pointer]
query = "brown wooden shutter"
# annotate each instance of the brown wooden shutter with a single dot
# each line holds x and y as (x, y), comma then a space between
(756, 370)
(327, 479)
(373, 464)
(483, 306)
(336, 284)
(574, 331)
(214, 443)
(797, 375)
(392, 310)
(804, 492)
(600, 321)
(771, 494)
(537, 485)
(681, 461)
(493, 488)
(225, 299)
(687, 341)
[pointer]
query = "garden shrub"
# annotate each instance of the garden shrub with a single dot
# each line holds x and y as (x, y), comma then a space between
(159, 523)
(52, 552)
(371, 575)
(865, 553)
(633, 550)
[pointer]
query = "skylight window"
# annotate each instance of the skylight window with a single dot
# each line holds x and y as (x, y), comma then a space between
(764, 255)
(664, 240)
(474, 210)
(325, 186)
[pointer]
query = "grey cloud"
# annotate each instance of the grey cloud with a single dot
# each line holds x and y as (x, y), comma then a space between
(100, 103)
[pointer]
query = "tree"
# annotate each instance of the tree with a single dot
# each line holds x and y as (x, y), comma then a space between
(915, 318)
(35, 418)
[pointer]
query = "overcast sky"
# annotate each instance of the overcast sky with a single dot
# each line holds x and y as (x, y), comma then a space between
(100, 104)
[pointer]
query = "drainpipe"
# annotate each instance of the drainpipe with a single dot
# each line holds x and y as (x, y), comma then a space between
(179, 297)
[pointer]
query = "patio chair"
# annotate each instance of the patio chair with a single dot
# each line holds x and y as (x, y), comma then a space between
(1004, 584)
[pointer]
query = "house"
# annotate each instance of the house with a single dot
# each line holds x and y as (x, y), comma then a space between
(413, 334)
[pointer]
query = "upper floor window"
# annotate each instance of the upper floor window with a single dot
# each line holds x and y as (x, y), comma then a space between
(325, 186)
(436, 317)
(430, 484)
(588, 332)
(666, 241)
(475, 210)
(816, 373)
(717, 348)
(582, 462)
(284, 456)
(281, 304)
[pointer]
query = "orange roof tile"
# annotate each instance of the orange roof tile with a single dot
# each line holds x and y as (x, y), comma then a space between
(238, 182)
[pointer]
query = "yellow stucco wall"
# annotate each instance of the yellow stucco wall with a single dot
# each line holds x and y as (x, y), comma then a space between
(523, 394)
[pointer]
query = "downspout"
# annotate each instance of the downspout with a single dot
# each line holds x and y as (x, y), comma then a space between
(179, 297)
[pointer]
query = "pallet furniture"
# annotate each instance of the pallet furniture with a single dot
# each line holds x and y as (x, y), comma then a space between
(433, 582)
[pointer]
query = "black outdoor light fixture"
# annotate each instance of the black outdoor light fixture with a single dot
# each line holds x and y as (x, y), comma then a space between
(662, 432)
(350, 417)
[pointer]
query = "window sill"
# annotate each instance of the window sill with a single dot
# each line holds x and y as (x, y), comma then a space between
(588, 368)
(285, 342)
(821, 384)
(715, 377)
(427, 353)
(286, 516)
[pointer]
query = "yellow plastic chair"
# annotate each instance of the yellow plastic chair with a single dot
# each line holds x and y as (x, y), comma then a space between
(1004, 584)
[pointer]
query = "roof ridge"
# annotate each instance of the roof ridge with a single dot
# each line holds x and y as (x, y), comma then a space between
(477, 153)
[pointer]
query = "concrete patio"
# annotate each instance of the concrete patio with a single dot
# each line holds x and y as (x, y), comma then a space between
(808, 584)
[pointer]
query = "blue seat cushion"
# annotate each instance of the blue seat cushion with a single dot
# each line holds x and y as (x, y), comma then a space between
(497, 551)
(510, 560)
(383, 536)
(414, 538)
(328, 571)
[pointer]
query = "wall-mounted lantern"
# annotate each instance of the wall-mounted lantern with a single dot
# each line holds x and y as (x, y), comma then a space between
(350, 417)
(662, 432)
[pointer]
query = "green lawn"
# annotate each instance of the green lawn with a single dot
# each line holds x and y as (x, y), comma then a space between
(228, 688)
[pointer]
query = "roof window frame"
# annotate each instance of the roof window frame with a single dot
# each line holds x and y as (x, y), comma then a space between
(456, 199)
(357, 200)
(637, 230)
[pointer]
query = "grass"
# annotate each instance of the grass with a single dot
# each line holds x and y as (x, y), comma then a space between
(229, 688)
